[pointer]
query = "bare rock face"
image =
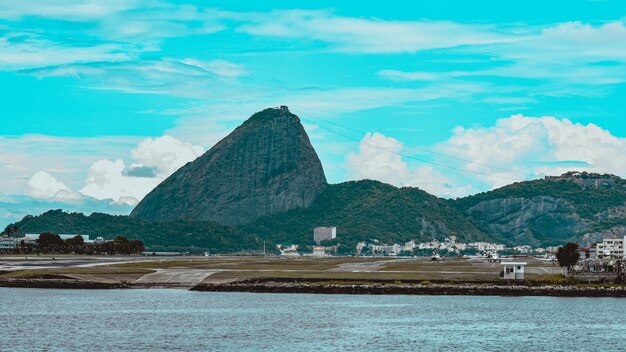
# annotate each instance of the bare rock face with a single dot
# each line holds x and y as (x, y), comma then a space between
(265, 166)
(530, 220)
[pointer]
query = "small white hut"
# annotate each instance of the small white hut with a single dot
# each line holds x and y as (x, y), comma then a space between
(513, 270)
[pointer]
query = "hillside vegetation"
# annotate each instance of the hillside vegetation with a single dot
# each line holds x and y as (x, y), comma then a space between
(173, 236)
(542, 212)
(364, 210)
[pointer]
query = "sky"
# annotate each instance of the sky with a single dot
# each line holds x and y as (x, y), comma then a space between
(102, 100)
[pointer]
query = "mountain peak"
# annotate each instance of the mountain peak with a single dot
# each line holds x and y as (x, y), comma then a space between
(265, 166)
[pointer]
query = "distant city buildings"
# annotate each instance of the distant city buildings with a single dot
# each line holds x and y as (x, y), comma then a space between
(7, 243)
(448, 245)
(324, 233)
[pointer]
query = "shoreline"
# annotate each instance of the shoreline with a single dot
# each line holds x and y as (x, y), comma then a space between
(374, 288)
(412, 289)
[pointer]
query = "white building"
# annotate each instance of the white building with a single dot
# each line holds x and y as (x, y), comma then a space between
(319, 251)
(324, 233)
(409, 246)
(552, 249)
(7, 243)
(513, 270)
(611, 248)
(391, 249)
(486, 246)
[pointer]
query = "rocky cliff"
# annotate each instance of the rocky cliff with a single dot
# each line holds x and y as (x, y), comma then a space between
(572, 207)
(265, 166)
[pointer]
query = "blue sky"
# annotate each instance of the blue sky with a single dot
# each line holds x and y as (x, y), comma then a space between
(103, 100)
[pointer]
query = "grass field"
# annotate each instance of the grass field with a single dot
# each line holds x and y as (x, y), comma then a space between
(221, 269)
(75, 271)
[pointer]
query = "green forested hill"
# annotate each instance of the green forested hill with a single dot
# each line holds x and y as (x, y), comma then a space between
(173, 236)
(551, 211)
(363, 210)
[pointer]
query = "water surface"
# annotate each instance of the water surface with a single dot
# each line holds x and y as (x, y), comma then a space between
(153, 320)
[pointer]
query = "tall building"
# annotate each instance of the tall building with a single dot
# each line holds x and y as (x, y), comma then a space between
(324, 233)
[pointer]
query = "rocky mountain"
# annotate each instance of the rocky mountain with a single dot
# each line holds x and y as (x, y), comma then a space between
(264, 180)
(551, 211)
(583, 207)
(265, 166)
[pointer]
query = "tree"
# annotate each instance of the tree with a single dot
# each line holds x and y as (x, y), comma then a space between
(75, 241)
(366, 250)
(49, 242)
(343, 249)
(328, 243)
(11, 230)
(304, 249)
(568, 255)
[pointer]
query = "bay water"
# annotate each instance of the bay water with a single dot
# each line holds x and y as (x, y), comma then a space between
(179, 320)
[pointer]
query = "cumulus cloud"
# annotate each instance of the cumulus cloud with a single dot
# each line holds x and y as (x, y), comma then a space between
(476, 159)
(106, 180)
(155, 160)
(43, 185)
(165, 154)
(379, 158)
(522, 147)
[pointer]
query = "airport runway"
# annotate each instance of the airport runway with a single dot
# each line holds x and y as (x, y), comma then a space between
(175, 276)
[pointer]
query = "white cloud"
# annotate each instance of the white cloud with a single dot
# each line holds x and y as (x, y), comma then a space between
(219, 67)
(514, 149)
(366, 35)
(572, 53)
(106, 180)
(188, 78)
(166, 154)
(570, 58)
(152, 160)
(65, 157)
(530, 147)
(43, 185)
(20, 51)
(76, 10)
(583, 41)
(379, 158)
(110, 179)
(397, 75)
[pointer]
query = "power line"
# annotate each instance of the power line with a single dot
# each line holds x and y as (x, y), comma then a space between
(413, 157)
(421, 149)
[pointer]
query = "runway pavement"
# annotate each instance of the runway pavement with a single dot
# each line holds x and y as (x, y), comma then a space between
(175, 276)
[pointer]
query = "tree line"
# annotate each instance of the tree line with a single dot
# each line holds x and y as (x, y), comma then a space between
(50, 243)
